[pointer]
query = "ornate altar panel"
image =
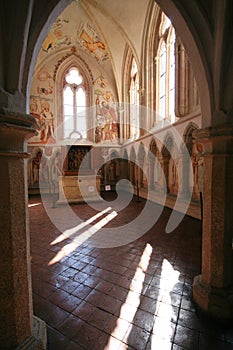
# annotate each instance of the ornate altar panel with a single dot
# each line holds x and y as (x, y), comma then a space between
(78, 182)
(77, 158)
(70, 191)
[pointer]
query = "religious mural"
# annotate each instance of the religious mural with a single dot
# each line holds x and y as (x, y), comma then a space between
(56, 36)
(107, 124)
(198, 167)
(89, 41)
(40, 109)
(173, 176)
(44, 168)
(78, 155)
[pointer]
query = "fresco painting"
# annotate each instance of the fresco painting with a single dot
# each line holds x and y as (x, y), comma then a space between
(56, 36)
(90, 41)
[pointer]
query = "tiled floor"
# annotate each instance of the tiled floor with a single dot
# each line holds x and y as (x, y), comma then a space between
(136, 296)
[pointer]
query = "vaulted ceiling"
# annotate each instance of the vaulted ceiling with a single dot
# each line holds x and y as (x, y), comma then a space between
(99, 31)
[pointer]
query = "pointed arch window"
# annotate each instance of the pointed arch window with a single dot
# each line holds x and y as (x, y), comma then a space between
(165, 82)
(134, 100)
(74, 105)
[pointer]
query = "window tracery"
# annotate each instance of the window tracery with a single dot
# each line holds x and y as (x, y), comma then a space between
(134, 100)
(165, 59)
(74, 105)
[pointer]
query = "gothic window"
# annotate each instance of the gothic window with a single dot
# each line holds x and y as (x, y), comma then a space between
(165, 87)
(134, 100)
(74, 105)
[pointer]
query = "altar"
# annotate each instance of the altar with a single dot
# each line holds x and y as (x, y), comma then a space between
(78, 189)
(78, 182)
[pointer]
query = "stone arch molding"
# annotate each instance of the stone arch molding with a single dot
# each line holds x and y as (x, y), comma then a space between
(188, 33)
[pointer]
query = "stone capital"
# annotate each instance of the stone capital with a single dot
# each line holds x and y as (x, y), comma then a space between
(15, 130)
(216, 139)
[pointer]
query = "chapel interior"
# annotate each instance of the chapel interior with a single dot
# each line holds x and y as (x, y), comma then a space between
(116, 147)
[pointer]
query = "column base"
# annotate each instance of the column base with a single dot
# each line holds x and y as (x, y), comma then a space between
(38, 339)
(216, 303)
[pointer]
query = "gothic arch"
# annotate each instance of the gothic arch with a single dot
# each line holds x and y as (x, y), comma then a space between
(132, 166)
(125, 154)
(152, 157)
(113, 154)
(150, 43)
(128, 61)
(153, 147)
(141, 157)
(188, 135)
(124, 165)
(198, 48)
(167, 149)
(63, 66)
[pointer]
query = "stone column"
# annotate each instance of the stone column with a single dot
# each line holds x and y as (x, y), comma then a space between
(184, 173)
(181, 81)
(151, 184)
(18, 327)
(213, 289)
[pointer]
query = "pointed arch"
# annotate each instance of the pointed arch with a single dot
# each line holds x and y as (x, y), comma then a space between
(132, 166)
(188, 135)
(153, 147)
(73, 129)
(131, 97)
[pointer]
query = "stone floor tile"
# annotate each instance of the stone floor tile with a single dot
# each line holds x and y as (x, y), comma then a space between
(187, 303)
(70, 286)
(99, 319)
(104, 287)
(186, 338)
(113, 344)
(84, 310)
(70, 303)
(144, 320)
(56, 340)
(55, 317)
(164, 328)
(149, 305)
(58, 296)
(168, 312)
(91, 338)
(119, 292)
(190, 320)
(136, 337)
(209, 342)
(103, 299)
(155, 342)
(82, 291)
(70, 326)
(117, 327)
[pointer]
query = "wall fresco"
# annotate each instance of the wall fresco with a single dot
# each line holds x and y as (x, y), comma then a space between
(90, 41)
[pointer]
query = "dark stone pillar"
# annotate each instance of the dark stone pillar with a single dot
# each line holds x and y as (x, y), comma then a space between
(16, 316)
(213, 289)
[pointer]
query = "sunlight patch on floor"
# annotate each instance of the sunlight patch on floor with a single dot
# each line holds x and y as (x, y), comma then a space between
(128, 311)
(33, 205)
(72, 231)
(80, 238)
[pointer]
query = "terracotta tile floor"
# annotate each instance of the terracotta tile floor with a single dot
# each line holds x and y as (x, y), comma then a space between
(136, 296)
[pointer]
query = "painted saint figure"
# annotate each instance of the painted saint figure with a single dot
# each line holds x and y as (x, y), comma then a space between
(47, 119)
(36, 166)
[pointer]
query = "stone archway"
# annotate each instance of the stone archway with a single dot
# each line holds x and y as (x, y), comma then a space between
(16, 71)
